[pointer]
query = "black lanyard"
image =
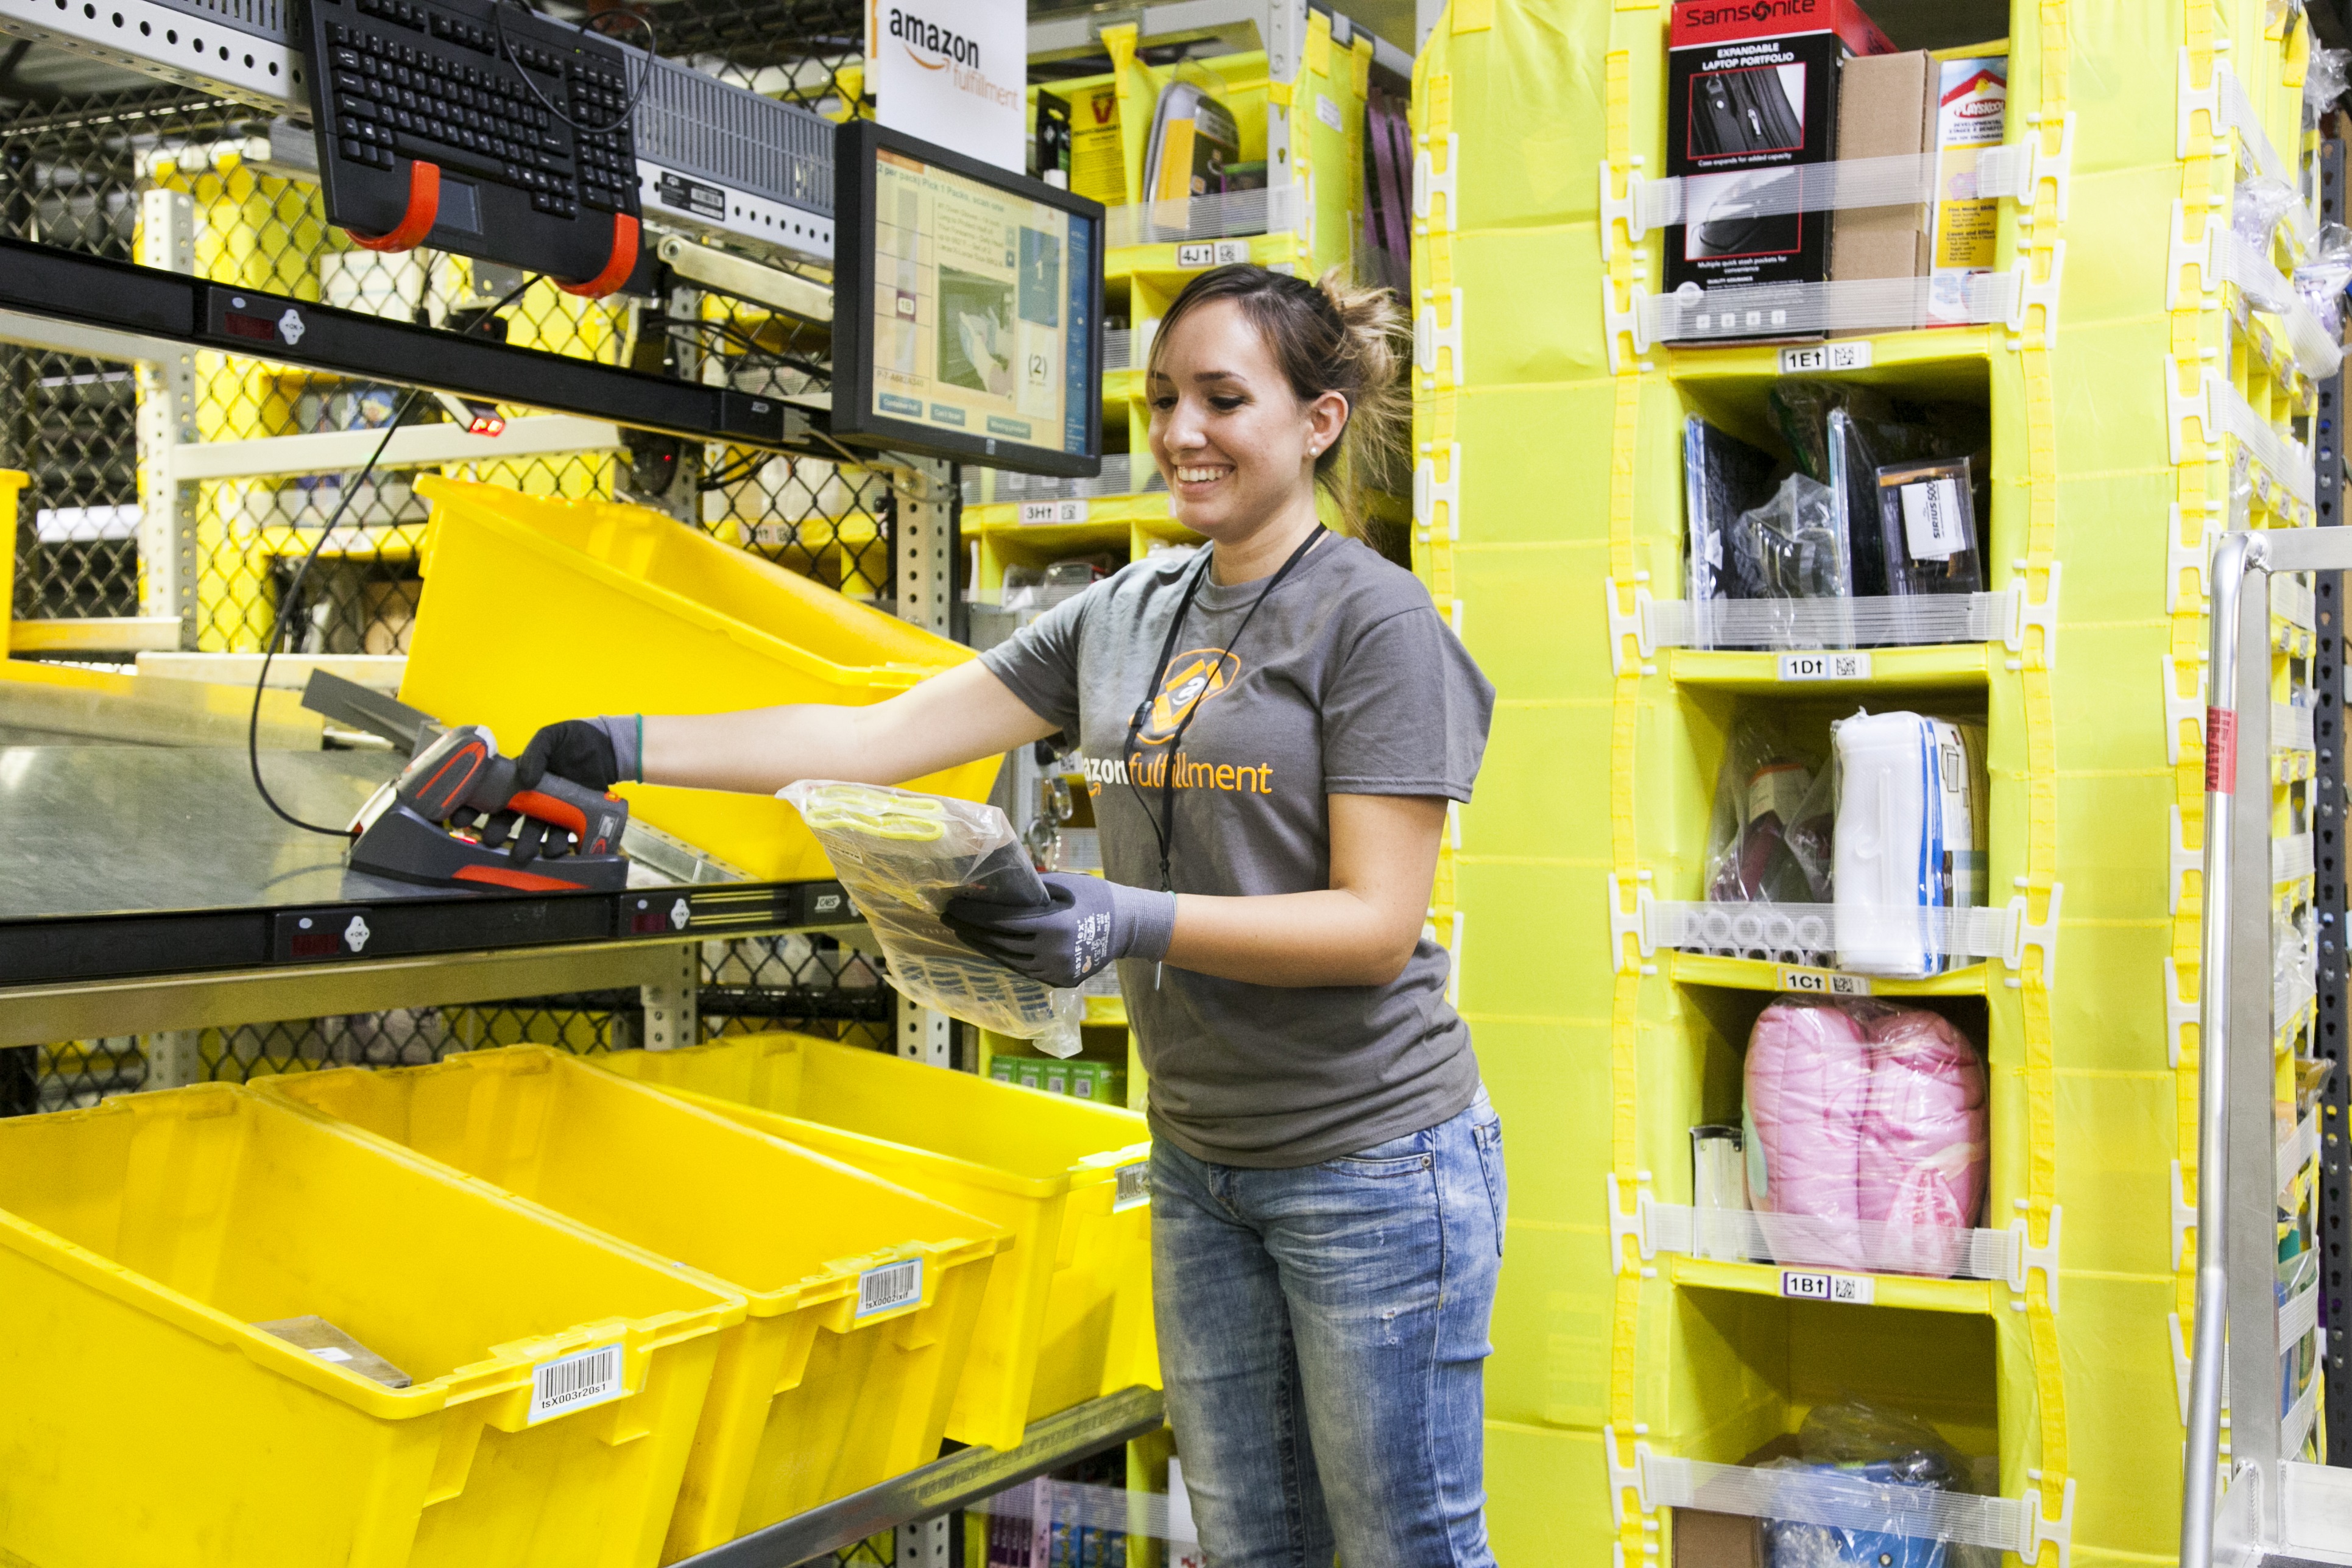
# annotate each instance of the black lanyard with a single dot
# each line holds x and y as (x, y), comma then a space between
(1164, 827)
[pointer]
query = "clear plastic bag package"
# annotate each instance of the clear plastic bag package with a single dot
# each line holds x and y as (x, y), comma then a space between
(1866, 1135)
(1769, 840)
(1847, 1447)
(903, 856)
(1927, 522)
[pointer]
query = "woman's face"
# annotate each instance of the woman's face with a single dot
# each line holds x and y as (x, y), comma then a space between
(1235, 444)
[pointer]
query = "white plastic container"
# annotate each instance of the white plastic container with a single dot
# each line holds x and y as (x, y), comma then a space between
(1910, 840)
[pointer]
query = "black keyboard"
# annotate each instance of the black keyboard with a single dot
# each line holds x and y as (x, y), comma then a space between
(429, 133)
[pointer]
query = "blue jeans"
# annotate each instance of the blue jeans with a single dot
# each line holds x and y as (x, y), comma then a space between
(1321, 1336)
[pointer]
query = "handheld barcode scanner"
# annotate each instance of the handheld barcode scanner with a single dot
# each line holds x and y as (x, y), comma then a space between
(455, 818)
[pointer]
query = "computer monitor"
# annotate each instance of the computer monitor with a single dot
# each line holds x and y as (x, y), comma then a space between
(967, 308)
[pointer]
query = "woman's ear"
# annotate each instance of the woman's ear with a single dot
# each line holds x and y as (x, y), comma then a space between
(1327, 420)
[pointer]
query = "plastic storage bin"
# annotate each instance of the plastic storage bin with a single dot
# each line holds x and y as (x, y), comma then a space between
(12, 480)
(145, 1419)
(1068, 1316)
(629, 610)
(863, 1296)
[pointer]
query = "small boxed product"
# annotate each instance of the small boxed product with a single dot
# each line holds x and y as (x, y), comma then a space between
(1752, 94)
(1910, 839)
(1971, 114)
(1887, 109)
(1927, 522)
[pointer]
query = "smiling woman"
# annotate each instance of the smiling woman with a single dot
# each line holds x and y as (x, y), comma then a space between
(1273, 730)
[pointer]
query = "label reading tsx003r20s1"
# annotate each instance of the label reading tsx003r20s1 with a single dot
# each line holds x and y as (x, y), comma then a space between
(575, 1381)
(1804, 1285)
(1134, 1189)
(890, 1287)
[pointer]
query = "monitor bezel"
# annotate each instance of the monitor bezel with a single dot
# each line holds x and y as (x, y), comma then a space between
(854, 419)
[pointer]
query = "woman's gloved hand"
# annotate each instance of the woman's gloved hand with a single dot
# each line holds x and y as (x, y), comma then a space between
(1084, 924)
(594, 754)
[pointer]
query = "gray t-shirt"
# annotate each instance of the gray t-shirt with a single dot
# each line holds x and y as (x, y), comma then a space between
(1347, 682)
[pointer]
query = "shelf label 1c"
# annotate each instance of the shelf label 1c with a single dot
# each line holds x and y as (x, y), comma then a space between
(1848, 1289)
(1812, 358)
(1052, 511)
(1212, 253)
(1825, 667)
(1820, 981)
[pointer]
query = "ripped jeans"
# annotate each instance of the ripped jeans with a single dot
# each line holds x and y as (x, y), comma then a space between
(1323, 1335)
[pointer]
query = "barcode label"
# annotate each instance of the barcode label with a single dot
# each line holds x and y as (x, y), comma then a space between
(575, 1381)
(1052, 511)
(1931, 519)
(1134, 1187)
(890, 1287)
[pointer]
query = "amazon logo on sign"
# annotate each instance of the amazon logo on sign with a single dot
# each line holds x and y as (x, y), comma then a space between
(945, 46)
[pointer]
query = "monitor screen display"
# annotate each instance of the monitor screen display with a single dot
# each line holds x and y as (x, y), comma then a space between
(977, 298)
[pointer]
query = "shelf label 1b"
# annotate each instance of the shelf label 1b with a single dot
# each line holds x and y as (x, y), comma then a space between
(1849, 1290)
(1820, 981)
(1825, 667)
(1812, 358)
(1052, 511)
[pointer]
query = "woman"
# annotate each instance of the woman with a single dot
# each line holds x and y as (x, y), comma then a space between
(1272, 730)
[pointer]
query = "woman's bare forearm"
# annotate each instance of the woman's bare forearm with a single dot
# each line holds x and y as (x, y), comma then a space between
(1330, 938)
(963, 715)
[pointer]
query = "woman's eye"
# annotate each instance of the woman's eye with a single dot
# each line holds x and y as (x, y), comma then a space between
(1163, 403)
(1225, 405)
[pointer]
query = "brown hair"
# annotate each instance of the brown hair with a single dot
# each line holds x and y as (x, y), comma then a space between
(1326, 336)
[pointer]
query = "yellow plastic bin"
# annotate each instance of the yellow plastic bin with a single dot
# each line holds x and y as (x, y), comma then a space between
(535, 610)
(1068, 1316)
(863, 1296)
(12, 480)
(144, 1418)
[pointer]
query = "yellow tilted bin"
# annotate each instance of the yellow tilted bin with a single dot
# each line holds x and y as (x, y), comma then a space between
(536, 610)
(148, 1417)
(1068, 1316)
(863, 1296)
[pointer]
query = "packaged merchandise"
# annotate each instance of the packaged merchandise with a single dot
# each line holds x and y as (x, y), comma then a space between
(1971, 114)
(1910, 838)
(1865, 1134)
(903, 856)
(1887, 109)
(1817, 1527)
(1053, 140)
(1927, 527)
(1719, 1185)
(1724, 477)
(1193, 138)
(1752, 90)
(1769, 839)
(1098, 160)
(1841, 433)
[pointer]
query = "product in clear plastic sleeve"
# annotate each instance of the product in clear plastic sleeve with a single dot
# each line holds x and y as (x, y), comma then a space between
(1768, 839)
(1927, 525)
(1865, 1127)
(1911, 838)
(1875, 1447)
(903, 856)
(2256, 204)
(2325, 77)
(2322, 277)
(1722, 476)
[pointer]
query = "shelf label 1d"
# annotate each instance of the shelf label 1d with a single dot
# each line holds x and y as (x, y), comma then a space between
(1813, 358)
(1847, 1290)
(1212, 253)
(1820, 981)
(1052, 511)
(1825, 667)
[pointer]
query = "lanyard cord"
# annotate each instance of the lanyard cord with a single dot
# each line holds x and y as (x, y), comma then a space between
(1163, 827)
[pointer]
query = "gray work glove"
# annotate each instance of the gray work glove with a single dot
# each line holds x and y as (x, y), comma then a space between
(1084, 924)
(594, 754)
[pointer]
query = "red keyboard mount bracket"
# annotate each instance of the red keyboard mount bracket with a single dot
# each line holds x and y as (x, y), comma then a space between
(423, 206)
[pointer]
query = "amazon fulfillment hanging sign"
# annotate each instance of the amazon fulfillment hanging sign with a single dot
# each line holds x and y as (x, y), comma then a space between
(953, 72)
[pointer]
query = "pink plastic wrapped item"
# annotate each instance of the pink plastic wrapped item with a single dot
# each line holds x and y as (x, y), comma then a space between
(1866, 1132)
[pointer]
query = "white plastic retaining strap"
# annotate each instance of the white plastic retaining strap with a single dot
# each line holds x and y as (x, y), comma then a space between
(2316, 353)
(2291, 728)
(2291, 858)
(1866, 1247)
(2298, 1151)
(1974, 932)
(1847, 1501)
(2227, 110)
(2220, 409)
(1884, 620)
(1693, 314)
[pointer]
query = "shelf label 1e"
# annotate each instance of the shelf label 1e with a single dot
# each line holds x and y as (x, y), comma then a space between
(1849, 1289)
(1052, 511)
(1825, 667)
(1212, 253)
(1820, 981)
(1813, 358)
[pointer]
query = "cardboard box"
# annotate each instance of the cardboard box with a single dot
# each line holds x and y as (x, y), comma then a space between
(1752, 91)
(1886, 108)
(1971, 114)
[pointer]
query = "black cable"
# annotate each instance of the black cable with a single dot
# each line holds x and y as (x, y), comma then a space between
(629, 109)
(301, 574)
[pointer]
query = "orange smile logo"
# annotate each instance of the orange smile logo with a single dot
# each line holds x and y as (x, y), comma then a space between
(1192, 678)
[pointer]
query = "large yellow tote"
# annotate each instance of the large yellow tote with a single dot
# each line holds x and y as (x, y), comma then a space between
(536, 610)
(862, 1295)
(145, 1421)
(1069, 1313)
